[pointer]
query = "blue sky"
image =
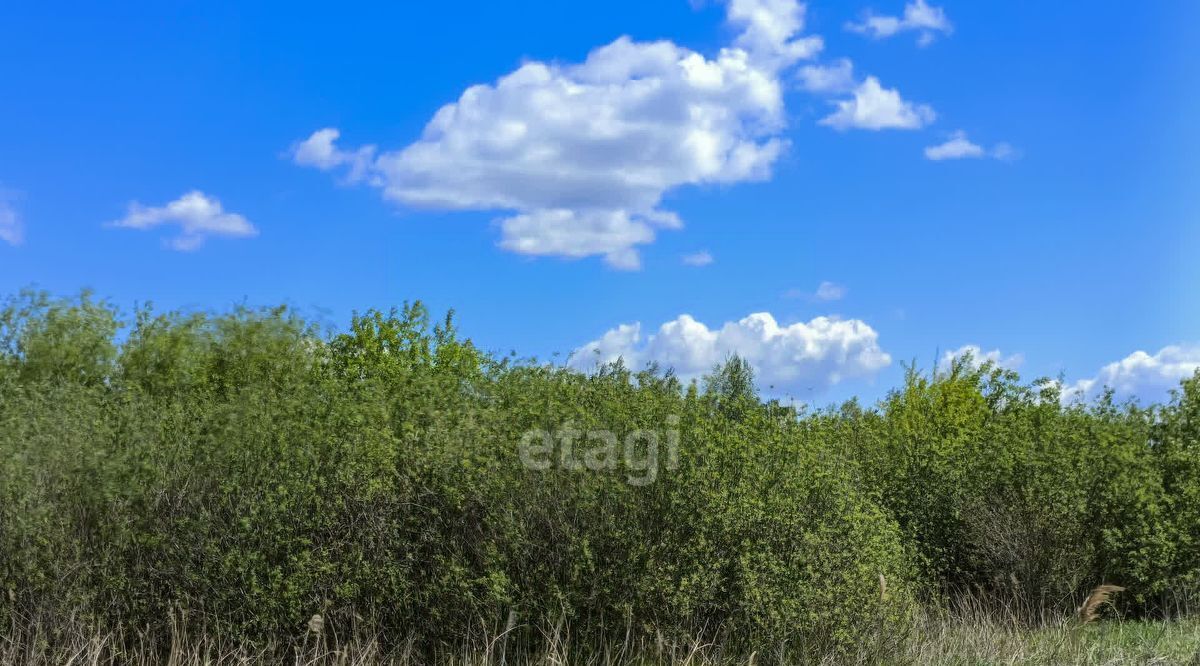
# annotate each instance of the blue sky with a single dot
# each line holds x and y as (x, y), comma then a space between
(172, 152)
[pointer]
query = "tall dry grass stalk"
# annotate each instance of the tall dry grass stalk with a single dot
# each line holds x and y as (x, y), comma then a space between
(1090, 610)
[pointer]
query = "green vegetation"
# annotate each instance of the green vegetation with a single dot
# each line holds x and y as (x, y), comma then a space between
(232, 476)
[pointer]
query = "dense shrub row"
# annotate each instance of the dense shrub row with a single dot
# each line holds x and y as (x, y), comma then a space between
(247, 470)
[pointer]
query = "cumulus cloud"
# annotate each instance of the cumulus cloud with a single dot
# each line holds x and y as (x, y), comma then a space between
(769, 30)
(12, 230)
(834, 78)
(979, 357)
(579, 156)
(958, 147)
(701, 258)
(926, 20)
(798, 358)
(1140, 375)
(197, 215)
(874, 107)
(871, 106)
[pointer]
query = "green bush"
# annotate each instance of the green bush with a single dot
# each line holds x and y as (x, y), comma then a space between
(999, 487)
(248, 471)
(1176, 438)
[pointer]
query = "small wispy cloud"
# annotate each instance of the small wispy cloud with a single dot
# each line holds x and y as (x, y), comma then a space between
(826, 292)
(698, 259)
(978, 357)
(12, 229)
(197, 215)
(834, 78)
(830, 291)
(1005, 152)
(320, 152)
(959, 147)
(924, 19)
(873, 107)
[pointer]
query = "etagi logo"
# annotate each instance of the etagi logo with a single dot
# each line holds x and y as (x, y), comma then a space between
(603, 451)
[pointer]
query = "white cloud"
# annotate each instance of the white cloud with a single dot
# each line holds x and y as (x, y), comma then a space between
(927, 21)
(701, 258)
(197, 215)
(1140, 375)
(979, 357)
(830, 291)
(871, 106)
(1005, 152)
(958, 147)
(581, 155)
(825, 292)
(799, 358)
(12, 230)
(874, 107)
(836, 78)
(769, 29)
(319, 151)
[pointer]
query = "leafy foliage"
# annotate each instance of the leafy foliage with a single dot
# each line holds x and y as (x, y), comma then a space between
(246, 470)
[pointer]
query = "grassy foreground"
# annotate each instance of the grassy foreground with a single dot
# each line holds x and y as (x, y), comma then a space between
(974, 641)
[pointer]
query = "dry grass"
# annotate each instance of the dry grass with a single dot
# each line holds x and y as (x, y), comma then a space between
(958, 637)
(1090, 610)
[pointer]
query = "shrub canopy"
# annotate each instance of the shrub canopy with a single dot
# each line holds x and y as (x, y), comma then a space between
(246, 469)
